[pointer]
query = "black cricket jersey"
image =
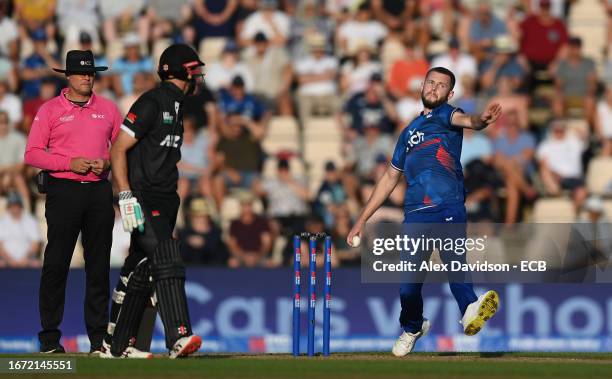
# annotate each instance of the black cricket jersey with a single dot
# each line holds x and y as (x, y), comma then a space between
(156, 121)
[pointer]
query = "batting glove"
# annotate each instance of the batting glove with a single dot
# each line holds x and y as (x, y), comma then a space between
(131, 212)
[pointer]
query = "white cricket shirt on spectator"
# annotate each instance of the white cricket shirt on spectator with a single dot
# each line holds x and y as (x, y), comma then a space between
(17, 236)
(563, 156)
(311, 66)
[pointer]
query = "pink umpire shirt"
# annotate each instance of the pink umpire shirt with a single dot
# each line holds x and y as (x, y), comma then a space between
(62, 130)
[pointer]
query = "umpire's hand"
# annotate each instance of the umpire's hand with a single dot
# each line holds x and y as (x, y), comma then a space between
(80, 165)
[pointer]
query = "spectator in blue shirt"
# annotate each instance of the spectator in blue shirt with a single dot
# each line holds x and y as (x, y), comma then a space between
(235, 100)
(484, 28)
(128, 65)
(513, 156)
(37, 65)
(504, 63)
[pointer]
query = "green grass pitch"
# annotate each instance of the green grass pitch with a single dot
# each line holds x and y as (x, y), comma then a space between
(362, 365)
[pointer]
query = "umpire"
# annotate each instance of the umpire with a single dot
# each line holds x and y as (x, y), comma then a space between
(69, 140)
(145, 158)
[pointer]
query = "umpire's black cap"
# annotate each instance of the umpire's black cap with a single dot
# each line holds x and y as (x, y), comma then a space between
(176, 60)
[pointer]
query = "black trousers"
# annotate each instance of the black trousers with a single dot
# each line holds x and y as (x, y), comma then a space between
(160, 211)
(72, 207)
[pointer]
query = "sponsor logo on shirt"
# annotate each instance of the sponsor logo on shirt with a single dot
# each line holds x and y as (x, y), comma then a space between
(67, 118)
(94, 115)
(131, 117)
(170, 141)
(414, 139)
(167, 118)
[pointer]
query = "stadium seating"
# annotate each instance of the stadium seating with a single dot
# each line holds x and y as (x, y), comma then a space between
(599, 175)
(282, 135)
(210, 48)
(553, 210)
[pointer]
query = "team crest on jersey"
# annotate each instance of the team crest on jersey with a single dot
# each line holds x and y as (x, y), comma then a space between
(167, 118)
(414, 139)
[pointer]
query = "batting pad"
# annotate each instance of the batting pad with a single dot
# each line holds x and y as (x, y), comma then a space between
(168, 273)
(134, 302)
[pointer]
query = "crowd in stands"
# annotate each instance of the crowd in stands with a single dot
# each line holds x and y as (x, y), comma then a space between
(303, 103)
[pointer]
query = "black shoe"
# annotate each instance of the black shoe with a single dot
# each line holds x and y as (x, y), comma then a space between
(52, 349)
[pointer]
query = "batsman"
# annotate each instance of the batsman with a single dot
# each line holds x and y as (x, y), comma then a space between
(144, 167)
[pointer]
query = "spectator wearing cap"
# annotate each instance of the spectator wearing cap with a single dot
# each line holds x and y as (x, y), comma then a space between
(269, 20)
(236, 100)
(12, 148)
(542, 37)
(410, 65)
(355, 73)
(229, 66)
(316, 78)
(575, 81)
(309, 18)
(287, 198)
(484, 29)
(504, 63)
(560, 162)
(215, 18)
(70, 139)
(272, 74)
(201, 239)
(370, 107)
(250, 238)
(461, 64)
(238, 156)
(360, 27)
(20, 237)
(37, 65)
(330, 195)
(603, 121)
(129, 64)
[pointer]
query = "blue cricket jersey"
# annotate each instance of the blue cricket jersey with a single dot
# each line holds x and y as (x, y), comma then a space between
(428, 152)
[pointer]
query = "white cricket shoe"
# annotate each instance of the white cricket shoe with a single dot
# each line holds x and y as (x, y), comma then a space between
(405, 343)
(479, 312)
(129, 352)
(185, 346)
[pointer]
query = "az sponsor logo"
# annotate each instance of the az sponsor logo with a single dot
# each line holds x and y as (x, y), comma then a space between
(414, 139)
(170, 141)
